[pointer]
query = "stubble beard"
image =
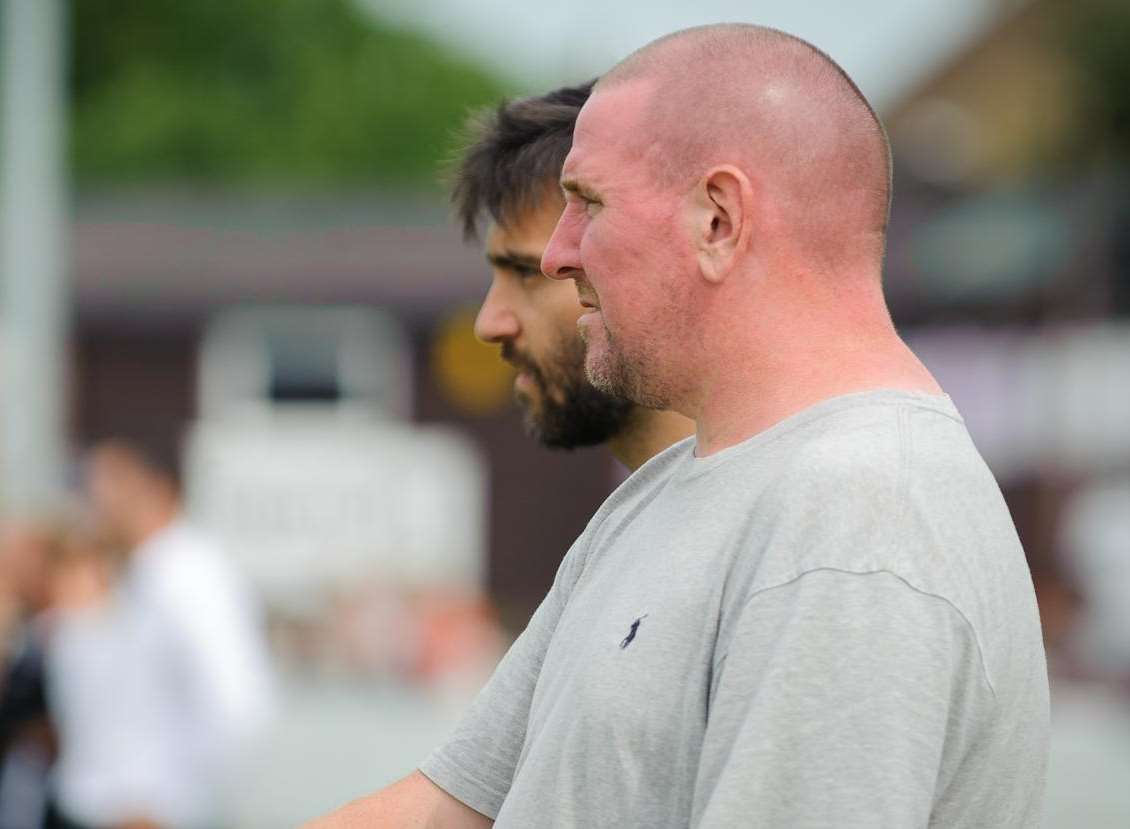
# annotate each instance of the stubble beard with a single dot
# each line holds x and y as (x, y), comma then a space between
(572, 412)
(617, 373)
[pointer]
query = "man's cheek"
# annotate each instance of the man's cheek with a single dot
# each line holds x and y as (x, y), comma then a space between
(590, 251)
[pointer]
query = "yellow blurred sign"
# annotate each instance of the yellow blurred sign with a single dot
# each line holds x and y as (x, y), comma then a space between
(471, 374)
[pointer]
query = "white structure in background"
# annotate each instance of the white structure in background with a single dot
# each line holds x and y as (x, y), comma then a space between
(1096, 540)
(302, 463)
(1032, 399)
(33, 282)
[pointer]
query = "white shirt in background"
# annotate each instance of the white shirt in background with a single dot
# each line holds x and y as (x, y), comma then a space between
(157, 693)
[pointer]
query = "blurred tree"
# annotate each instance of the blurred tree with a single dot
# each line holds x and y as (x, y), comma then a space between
(296, 92)
(1098, 36)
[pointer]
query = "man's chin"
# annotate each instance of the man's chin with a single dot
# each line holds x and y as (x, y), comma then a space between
(529, 403)
(597, 371)
(538, 421)
(524, 383)
(535, 427)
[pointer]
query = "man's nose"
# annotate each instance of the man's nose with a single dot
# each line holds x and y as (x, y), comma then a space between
(496, 321)
(562, 256)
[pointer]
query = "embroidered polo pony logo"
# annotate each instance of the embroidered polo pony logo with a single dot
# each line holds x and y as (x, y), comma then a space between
(632, 632)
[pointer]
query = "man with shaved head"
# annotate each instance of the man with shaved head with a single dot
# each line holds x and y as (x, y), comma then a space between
(816, 612)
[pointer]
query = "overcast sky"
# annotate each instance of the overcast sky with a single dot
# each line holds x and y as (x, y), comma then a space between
(886, 45)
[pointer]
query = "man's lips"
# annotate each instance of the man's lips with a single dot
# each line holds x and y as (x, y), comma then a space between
(527, 376)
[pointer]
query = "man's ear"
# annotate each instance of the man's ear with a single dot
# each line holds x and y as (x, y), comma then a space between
(722, 220)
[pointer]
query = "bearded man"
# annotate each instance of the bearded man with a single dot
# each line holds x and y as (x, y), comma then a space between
(508, 176)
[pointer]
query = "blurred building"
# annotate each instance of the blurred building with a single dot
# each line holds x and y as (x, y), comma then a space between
(1009, 272)
(1011, 200)
(1007, 268)
(151, 271)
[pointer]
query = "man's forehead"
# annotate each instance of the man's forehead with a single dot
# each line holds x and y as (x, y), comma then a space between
(504, 243)
(526, 230)
(607, 122)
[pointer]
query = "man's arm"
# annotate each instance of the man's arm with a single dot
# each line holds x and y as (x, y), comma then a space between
(412, 803)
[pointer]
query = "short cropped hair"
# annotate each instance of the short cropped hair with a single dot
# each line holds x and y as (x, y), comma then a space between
(758, 53)
(514, 156)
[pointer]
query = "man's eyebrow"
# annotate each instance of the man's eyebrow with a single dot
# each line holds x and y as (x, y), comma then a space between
(571, 185)
(514, 259)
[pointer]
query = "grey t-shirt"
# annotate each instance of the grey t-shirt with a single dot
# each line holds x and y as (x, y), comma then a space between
(831, 624)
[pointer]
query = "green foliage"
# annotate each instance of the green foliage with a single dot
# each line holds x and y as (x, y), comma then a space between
(1098, 35)
(307, 92)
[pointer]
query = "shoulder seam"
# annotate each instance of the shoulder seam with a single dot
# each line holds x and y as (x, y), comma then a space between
(924, 410)
(965, 619)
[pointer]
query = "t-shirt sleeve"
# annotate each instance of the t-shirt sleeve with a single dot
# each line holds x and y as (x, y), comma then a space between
(831, 704)
(476, 765)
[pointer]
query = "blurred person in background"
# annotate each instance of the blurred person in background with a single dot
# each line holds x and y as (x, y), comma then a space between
(30, 552)
(48, 568)
(509, 174)
(159, 681)
(816, 613)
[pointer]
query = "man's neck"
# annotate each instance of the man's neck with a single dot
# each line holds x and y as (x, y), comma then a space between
(805, 350)
(648, 433)
(150, 522)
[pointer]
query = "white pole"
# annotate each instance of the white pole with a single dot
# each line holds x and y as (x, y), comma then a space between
(33, 293)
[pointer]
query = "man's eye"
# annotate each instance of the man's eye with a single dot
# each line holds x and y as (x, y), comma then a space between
(592, 207)
(525, 271)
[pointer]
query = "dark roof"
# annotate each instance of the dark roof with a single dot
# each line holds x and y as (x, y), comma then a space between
(175, 258)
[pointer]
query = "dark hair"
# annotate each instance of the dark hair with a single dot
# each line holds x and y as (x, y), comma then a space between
(513, 153)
